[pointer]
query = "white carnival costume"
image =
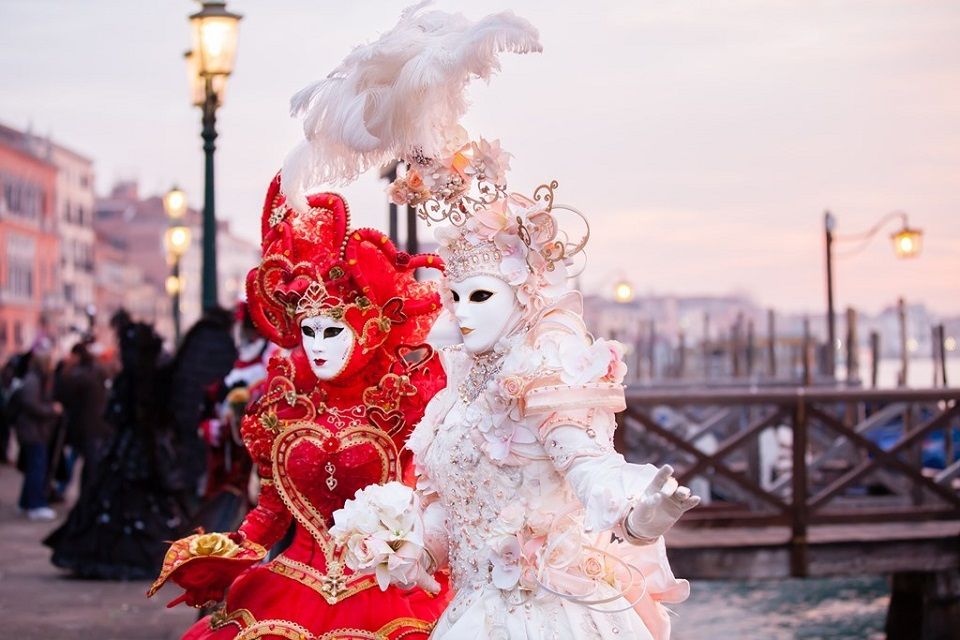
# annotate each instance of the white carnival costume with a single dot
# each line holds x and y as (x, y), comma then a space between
(548, 533)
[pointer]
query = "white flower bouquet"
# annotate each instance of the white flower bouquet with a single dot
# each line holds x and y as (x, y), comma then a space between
(382, 530)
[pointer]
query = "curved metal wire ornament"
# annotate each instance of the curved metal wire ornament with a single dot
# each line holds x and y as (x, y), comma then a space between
(585, 598)
(458, 210)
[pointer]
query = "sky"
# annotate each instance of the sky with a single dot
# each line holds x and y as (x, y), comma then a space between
(704, 140)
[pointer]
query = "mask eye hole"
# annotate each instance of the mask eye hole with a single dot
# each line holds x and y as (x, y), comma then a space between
(332, 332)
(308, 331)
(456, 296)
(481, 295)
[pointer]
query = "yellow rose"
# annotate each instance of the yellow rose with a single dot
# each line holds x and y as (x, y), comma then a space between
(214, 544)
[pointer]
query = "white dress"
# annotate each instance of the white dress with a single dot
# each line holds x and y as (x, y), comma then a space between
(528, 503)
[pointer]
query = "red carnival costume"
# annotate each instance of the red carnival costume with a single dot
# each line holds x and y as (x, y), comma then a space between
(315, 443)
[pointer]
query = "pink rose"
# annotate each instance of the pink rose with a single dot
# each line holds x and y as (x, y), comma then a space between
(593, 568)
(512, 386)
(617, 369)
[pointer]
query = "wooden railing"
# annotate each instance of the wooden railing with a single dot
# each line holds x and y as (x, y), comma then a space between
(800, 457)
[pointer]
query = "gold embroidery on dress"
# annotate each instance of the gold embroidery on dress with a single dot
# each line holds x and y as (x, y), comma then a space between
(275, 627)
(334, 586)
(241, 617)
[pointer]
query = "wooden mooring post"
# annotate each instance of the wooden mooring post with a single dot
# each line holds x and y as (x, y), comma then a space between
(736, 340)
(904, 351)
(706, 345)
(681, 355)
(771, 344)
(799, 519)
(874, 358)
(924, 606)
(853, 348)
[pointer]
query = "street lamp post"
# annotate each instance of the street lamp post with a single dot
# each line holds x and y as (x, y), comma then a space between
(209, 63)
(906, 244)
(177, 241)
(389, 173)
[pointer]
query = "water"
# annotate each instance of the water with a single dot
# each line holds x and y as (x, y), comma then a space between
(919, 372)
(823, 608)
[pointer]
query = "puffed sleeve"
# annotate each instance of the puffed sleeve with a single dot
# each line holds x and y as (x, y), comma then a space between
(268, 521)
(572, 410)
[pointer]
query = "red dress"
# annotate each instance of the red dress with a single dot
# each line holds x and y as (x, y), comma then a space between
(315, 443)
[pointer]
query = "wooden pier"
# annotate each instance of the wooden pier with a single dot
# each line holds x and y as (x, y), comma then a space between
(803, 481)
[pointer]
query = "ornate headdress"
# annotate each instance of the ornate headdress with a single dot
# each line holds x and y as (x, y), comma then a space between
(314, 265)
(401, 97)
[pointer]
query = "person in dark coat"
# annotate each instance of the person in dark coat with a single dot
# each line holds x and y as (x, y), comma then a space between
(135, 498)
(6, 391)
(36, 417)
(205, 356)
(83, 393)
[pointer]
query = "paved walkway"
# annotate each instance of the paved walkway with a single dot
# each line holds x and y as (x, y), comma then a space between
(38, 601)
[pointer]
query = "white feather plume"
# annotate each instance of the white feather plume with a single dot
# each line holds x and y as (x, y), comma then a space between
(401, 92)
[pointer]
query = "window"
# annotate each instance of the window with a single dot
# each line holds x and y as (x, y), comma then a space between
(21, 197)
(20, 253)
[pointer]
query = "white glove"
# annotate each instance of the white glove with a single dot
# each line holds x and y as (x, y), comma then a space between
(660, 506)
(423, 578)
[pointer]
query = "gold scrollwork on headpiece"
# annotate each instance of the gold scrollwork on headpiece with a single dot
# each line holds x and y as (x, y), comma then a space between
(317, 301)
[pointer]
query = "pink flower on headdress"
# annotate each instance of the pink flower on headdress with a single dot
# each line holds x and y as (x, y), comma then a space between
(409, 190)
(490, 162)
(493, 219)
(513, 265)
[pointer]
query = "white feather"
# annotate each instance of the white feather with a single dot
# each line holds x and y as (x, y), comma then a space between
(403, 91)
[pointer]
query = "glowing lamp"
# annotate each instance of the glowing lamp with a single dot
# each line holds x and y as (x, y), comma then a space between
(907, 242)
(214, 38)
(175, 203)
(198, 82)
(173, 285)
(623, 292)
(177, 240)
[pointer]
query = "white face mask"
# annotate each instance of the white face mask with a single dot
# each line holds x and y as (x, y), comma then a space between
(328, 344)
(485, 308)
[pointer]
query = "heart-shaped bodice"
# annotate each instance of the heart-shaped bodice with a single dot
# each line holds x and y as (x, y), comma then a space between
(317, 469)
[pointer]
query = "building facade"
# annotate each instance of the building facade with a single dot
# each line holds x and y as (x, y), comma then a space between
(29, 247)
(74, 204)
(136, 225)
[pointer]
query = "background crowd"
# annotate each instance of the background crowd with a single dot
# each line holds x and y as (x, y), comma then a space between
(150, 437)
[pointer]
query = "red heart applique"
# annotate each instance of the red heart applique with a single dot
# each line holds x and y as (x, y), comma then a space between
(412, 357)
(393, 311)
(317, 470)
(389, 421)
